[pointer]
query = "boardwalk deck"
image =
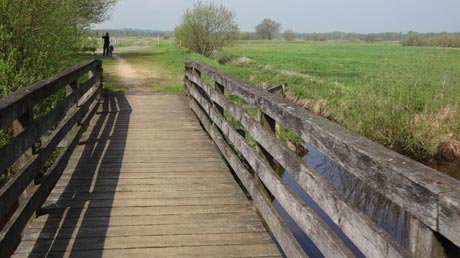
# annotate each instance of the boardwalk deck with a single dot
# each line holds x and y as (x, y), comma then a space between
(146, 182)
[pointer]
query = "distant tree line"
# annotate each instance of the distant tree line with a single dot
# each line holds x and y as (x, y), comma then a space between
(432, 39)
(408, 39)
(132, 33)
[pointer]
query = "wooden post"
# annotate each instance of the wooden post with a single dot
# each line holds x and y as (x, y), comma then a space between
(220, 89)
(69, 89)
(187, 82)
(423, 242)
(270, 124)
(18, 126)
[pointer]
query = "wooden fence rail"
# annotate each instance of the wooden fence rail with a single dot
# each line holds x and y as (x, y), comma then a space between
(37, 137)
(431, 198)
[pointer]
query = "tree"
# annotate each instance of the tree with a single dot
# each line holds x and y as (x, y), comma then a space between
(268, 28)
(39, 37)
(206, 28)
(289, 35)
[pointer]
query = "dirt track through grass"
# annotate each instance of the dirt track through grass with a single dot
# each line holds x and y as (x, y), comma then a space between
(134, 69)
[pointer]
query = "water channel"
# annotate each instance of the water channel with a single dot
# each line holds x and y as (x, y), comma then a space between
(382, 211)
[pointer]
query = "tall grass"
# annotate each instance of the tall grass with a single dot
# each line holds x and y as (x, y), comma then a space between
(406, 98)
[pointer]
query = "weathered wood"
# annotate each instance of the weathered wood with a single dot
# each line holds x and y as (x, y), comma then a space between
(11, 234)
(310, 223)
(130, 242)
(143, 197)
(53, 221)
(423, 242)
(371, 240)
(221, 89)
(18, 183)
(449, 216)
(281, 89)
(26, 138)
(16, 104)
(405, 182)
(282, 233)
(205, 251)
(210, 227)
(269, 124)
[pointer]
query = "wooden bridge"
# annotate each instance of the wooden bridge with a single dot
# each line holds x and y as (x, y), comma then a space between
(162, 175)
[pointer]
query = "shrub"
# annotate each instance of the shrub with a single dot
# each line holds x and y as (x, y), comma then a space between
(206, 28)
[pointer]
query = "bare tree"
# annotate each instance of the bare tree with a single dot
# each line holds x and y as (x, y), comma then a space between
(206, 28)
(289, 35)
(268, 28)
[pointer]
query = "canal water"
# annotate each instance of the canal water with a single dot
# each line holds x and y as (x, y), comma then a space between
(382, 211)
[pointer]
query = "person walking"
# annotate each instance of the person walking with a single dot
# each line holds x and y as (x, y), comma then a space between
(106, 40)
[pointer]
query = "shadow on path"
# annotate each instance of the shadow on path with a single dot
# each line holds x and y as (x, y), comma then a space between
(77, 221)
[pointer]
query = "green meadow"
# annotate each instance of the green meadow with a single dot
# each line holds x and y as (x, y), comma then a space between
(407, 98)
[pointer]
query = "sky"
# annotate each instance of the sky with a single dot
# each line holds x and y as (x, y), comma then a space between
(361, 16)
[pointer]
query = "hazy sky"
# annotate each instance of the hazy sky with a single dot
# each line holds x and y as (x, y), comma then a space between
(302, 15)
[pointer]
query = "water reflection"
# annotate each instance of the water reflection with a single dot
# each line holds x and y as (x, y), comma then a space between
(382, 211)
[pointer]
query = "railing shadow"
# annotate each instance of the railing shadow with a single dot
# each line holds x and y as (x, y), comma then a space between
(79, 218)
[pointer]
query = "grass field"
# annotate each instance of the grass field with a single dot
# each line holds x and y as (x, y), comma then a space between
(407, 98)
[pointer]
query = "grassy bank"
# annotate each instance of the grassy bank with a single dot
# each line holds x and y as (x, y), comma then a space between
(405, 98)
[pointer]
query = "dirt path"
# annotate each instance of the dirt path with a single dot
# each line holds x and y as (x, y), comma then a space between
(134, 71)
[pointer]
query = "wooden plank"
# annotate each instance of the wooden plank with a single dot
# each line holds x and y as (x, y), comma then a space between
(10, 235)
(55, 196)
(153, 211)
(60, 221)
(144, 202)
(406, 182)
(223, 251)
(215, 174)
(16, 185)
(422, 241)
(282, 233)
(146, 230)
(16, 104)
(130, 242)
(366, 235)
(20, 143)
(155, 168)
(449, 216)
(151, 182)
(203, 186)
(310, 223)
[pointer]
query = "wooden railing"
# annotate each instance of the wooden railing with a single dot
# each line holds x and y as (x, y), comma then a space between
(41, 142)
(431, 198)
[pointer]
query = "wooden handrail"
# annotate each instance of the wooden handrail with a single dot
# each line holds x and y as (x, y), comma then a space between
(25, 192)
(429, 196)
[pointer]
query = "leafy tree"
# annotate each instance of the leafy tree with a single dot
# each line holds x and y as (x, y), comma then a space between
(268, 28)
(206, 28)
(38, 37)
(289, 35)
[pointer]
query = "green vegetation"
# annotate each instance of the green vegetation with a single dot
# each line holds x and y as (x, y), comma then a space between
(39, 38)
(206, 28)
(405, 98)
(432, 40)
(267, 29)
